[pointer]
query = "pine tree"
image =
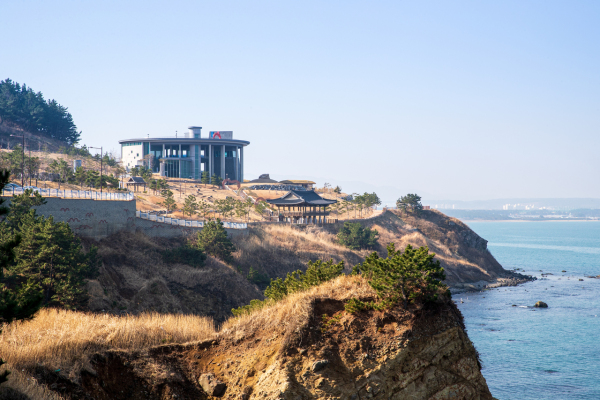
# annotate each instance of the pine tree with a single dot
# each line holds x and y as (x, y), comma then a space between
(169, 202)
(205, 179)
(49, 260)
(80, 176)
(403, 277)
(216, 180)
(354, 236)
(190, 206)
(213, 240)
(203, 208)
(92, 178)
(13, 305)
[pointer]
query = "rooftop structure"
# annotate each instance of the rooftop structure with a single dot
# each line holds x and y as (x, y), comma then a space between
(300, 182)
(188, 156)
(264, 178)
(302, 206)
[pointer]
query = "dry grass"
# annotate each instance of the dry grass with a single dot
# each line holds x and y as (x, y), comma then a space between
(20, 386)
(64, 339)
(278, 249)
(295, 310)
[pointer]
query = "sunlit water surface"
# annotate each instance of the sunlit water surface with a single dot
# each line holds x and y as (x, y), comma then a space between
(530, 353)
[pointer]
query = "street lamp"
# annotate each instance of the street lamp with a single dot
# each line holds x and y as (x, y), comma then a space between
(22, 161)
(99, 148)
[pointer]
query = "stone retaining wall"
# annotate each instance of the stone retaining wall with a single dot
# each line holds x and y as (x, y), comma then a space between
(96, 219)
(160, 229)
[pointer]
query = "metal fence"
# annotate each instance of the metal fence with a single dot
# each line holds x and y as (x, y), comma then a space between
(73, 194)
(185, 222)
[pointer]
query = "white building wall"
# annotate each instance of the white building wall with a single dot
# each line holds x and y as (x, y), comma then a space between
(132, 155)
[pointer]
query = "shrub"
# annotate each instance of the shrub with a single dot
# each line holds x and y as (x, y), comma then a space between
(185, 254)
(408, 277)
(257, 278)
(317, 272)
(213, 240)
(354, 236)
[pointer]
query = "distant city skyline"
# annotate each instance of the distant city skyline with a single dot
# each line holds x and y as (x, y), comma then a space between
(451, 100)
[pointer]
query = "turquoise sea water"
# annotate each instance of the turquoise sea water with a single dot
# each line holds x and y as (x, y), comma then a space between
(530, 353)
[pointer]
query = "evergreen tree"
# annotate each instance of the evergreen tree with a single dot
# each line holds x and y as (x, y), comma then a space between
(80, 176)
(403, 277)
(354, 236)
(49, 260)
(213, 240)
(92, 179)
(169, 202)
(203, 208)
(216, 180)
(190, 206)
(13, 305)
(205, 178)
(410, 202)
(27, 109)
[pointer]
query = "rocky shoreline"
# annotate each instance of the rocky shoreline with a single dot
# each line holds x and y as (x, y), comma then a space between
(513, 279)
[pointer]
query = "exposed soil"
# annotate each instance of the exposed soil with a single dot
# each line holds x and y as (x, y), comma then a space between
(364, 355)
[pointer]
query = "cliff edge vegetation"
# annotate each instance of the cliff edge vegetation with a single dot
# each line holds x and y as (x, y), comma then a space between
(305, 346)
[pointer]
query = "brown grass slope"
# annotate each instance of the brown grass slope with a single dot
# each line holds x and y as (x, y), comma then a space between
(419, 353)
(134, 278)
(278, 249)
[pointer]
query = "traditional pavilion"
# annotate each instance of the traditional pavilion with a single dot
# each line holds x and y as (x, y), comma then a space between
(302, 207)
(136, 182)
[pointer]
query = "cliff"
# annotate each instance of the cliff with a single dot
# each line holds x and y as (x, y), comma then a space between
(304, 347)
(134, 277)
(275, 250)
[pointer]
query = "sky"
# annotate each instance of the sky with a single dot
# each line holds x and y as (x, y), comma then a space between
(464, 100)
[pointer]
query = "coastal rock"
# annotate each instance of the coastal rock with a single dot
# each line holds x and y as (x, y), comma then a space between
(541, 304)
(319, 365)
(211, 385)
(419, 353)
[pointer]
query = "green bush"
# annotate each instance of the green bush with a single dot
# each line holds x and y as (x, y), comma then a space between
(403, 277)
(354, 236)
(257, 278)
(213, 240)
(184, 255)
(317, 273)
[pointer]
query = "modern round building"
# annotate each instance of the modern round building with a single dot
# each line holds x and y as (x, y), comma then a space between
(188, 156)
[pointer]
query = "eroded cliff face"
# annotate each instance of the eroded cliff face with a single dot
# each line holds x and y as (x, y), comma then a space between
(422, 353)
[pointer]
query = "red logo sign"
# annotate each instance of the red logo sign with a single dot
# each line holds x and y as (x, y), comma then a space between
(216, 135)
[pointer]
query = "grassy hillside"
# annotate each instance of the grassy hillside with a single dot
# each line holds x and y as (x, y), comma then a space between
(275, 250)
(134, 277)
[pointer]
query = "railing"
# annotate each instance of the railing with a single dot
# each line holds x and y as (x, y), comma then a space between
(73, 194)
(301, 214)
(185, 222)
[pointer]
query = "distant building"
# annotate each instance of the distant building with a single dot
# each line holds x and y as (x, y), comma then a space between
(299, 182)
(188, 156)
(76, 164)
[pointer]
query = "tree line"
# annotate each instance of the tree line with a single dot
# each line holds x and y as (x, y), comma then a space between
(23, 107)
(21, 164)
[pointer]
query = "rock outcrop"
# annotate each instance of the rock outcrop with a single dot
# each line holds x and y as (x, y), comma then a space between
(305, 347)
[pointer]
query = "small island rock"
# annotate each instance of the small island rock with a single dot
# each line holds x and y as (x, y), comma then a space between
(541, 304)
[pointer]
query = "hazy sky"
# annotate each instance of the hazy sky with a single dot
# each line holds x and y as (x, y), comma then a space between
(450, 99)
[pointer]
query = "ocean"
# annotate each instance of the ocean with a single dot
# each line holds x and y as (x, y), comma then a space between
(530, 353)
